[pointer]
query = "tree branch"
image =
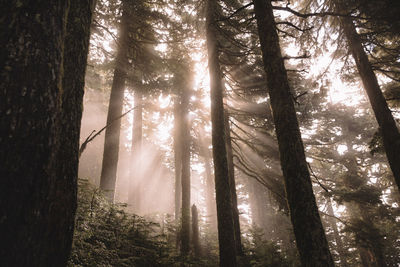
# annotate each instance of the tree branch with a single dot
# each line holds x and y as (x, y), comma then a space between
(91, 136)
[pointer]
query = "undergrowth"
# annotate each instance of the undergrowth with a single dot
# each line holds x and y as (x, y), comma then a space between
(107, 235)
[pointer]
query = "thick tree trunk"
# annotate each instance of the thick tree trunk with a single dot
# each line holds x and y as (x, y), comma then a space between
(76, 48)
(39, 134)
(226, 233)
(232, 185)
(185, 176)
(135, 171)
(387, 125)
(111, 141)
(195, 232)
(310, 236)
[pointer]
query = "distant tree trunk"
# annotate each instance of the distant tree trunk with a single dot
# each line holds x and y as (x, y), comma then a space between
(177, 156)
(39, 134)
(111, 141)
(209, 182)
(135, 171)
(338, 240)
(310, 236)
(185, 176)
(226, 233)
(258, 204)
(371, 253)
(195, 231)
(387, 125)
(232, 185)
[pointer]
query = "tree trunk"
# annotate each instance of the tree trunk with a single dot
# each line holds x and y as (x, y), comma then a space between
(209, 182)
(258, 204)
(39, 134)
(370, 252)
(387, 125)
(111, 141)
(177, 157)
(195, 231)
(310, 236)
(185, 176)
(135, 171)
(226, 234)
(232, 185)
(76, 48)
(338, 240)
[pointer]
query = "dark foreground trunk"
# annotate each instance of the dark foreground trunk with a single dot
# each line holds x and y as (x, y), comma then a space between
(310, 236)
(227, 250)
(111, 140)
(387, 125)
(40, 111)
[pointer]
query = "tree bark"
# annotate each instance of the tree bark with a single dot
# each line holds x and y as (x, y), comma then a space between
(227, 250)
(39, 131)
(387, 125)
(111, 141)
(232, 186)
(310, 236)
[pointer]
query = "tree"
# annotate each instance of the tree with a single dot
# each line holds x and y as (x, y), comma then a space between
(232, 184)
(183, 82)
(227, 250)
(40, 126)
(209, 179)
(195, 231)
(177, 157)
(387, 125)
(310, 236)
(135, 170)
(111, 141)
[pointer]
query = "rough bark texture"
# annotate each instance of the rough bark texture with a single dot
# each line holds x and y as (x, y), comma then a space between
(185, 176)
(310, 236)
(76, 48)
(232, 186)
(227, 250)
(111, 140)
(387, 125)
(39, 134)
(135, 171)
(195, 232)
